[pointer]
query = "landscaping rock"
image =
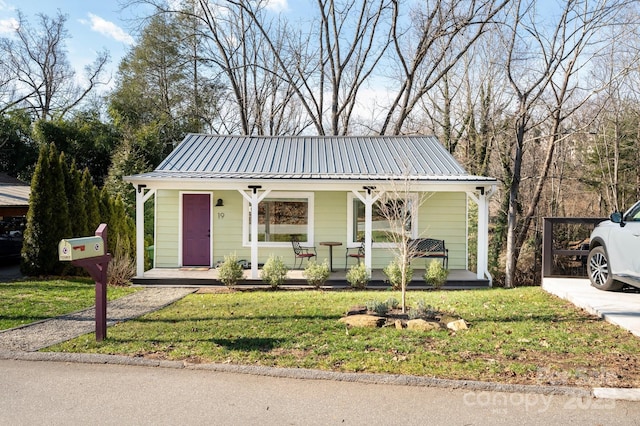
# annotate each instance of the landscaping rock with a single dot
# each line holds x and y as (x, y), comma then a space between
(457, 325)
(398, 324)
(422, 325)
(357, 310)
(370, 321)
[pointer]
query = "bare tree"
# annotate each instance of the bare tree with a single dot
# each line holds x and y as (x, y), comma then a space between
(399, 206)
(351, 40)
(43, 79)
(539, 61)
(444, 32)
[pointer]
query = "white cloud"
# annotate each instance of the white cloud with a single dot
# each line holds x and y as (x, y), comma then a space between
(5, 6)
(277, 5)
(8, 25)
(109, 29)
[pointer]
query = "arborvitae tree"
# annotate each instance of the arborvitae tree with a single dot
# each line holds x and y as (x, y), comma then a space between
(124, 235)
(37, 216)
(48, 218)
(75, 198)
(92, 206)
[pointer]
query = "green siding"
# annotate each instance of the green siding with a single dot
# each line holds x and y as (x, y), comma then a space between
(227, 227)
(167, 226)
(442, 216)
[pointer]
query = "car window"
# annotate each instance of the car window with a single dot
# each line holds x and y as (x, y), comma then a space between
(634, 214)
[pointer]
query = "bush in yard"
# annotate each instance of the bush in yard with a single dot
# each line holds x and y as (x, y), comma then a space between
(121, 269)
(316, 273)
(380, 308)
(392, 303)
(230, 271)
(274, 271)
(422, 310)
(393, 271)
(435, 274)
(358, 276)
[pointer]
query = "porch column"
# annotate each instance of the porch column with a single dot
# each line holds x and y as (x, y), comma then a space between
(482, 201)
(368, 200)
(141, 197)
(254, 199)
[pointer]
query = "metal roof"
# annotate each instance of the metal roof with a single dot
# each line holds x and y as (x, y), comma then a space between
(13, 193)
(310, 157)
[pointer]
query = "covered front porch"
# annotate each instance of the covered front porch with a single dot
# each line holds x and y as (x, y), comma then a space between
(212, 200)
(459, 279)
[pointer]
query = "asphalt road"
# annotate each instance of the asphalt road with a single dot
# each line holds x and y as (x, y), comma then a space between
(57, 393)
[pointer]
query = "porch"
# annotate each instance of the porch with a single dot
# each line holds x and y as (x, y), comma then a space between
(459, 279)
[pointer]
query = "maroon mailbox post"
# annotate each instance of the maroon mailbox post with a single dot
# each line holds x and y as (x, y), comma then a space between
(97, 268)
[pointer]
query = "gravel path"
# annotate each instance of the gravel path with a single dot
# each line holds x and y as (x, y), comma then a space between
(33, 337)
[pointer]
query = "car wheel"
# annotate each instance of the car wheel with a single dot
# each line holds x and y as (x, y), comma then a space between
(598, 270)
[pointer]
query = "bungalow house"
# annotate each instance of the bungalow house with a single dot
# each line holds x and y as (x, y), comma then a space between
(249, 195)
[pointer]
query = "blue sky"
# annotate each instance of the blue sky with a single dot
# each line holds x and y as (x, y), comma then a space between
(92, 26)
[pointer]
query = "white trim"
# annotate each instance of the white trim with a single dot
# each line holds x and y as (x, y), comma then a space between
(466, 234)
(413, 197)
(141, 197)
(294, 185)
(308, 196)
(180, 230)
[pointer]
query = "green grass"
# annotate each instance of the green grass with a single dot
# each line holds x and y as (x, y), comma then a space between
(24, 302)
(518, 336)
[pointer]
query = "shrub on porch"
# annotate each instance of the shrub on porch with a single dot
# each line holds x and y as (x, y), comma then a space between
(436, 274)
(274, 271)
(316, 273)
(358, 276)
(393, 271)
(230, 271)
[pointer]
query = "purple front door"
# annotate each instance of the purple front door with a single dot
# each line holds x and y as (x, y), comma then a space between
(196, 231)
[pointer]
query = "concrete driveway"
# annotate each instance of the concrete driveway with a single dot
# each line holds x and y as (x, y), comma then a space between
(619, 308)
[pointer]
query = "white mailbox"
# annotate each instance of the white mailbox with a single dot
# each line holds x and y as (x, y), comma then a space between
(80, 248)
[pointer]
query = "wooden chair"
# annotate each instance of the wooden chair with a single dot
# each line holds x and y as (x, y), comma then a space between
(301, 252)
(358, 254)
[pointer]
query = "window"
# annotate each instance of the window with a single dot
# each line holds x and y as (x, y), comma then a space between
(388, 217)
(282, 217)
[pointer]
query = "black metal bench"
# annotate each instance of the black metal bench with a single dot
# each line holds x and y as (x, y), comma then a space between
(429, 248)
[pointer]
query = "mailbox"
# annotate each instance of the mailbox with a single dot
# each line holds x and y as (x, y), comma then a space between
(80, 248)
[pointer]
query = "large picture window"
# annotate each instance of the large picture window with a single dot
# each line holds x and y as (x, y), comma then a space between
(389, 217)
(280, 218)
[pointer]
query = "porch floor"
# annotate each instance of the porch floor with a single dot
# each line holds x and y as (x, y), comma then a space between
(208, 277)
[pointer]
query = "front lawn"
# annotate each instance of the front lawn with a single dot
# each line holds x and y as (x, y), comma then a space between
(24, 302)
(517, 336)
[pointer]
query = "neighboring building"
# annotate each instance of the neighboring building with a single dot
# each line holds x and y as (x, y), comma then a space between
(14, 196)
(216, 195)
(14, 204)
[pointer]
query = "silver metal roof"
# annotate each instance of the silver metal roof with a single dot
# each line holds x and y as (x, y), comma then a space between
(310, 157)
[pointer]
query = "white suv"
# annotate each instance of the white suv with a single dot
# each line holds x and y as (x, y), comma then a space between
(614, 251)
